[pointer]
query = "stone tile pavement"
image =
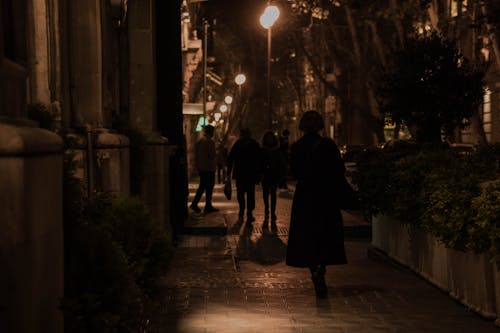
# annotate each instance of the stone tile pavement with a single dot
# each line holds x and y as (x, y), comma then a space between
(229, 277)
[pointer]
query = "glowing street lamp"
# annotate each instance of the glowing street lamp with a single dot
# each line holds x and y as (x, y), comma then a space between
(240, 79)
(217, 116)
(267, 19)
(223, 108)
(228, 99)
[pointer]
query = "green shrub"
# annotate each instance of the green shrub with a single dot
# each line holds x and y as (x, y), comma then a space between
(455, 198)
(446, 202)
(375, 177)
(100, 292)
(147, 246)
(114, 254)
(485, 231)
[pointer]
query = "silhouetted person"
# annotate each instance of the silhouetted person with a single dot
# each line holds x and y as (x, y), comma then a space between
(243, 165)
(316, 235)
(205, 159)
(221, 161)
(274, 168)
(284, 148)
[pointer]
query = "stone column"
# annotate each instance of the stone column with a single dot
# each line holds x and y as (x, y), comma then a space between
(86, 62)
(31, 241)
(108, 170)
(31, 237)
(142, 102)
(143, 108)
(38, 58)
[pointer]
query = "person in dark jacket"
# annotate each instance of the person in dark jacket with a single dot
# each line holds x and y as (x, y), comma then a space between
(284, 147)
(205, 157)
(273, 172)
(316, 234)
(243, 164)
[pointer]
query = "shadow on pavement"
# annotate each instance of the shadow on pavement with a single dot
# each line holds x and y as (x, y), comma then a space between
(265, 248)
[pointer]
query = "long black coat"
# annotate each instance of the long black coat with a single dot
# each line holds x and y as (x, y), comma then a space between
(245, 160)
(316, 233)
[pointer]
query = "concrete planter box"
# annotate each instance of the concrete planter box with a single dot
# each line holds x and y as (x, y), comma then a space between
(392, 237)
(472, 279)
(432, 260)
(496, 281)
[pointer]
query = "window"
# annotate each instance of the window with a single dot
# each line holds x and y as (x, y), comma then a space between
(454, 6)
(486, 114)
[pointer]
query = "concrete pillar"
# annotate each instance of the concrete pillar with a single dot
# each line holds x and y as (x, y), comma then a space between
(143, 109)
(142, 102)
(111, 158)
(38, 53)
(86, 62)
(31, 241)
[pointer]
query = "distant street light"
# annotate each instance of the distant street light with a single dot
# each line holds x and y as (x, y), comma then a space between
(228, 99)
(223, 108)
(267, 19)
(217, 116)
(240, 79)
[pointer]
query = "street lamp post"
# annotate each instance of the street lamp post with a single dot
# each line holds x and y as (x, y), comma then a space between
(205, 51)
(267, 19)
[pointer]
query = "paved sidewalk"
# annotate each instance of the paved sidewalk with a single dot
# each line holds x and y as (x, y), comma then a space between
(227, 277)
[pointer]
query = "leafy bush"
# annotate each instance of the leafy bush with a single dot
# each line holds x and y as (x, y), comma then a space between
(147, 246)
(485, 231)
(114, 255)
(446, 199)
(375, 177)
(100, 292)
(455, 198)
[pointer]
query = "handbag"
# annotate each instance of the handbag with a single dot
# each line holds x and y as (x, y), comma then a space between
(227, 188)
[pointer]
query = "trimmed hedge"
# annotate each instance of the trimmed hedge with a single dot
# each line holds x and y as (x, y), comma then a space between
(454, 197)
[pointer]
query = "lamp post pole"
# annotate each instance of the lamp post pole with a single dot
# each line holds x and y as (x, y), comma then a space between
(267, 19)
(205, 51)
(268, 87)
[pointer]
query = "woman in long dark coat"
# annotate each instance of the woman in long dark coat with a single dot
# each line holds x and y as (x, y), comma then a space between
(316, 236)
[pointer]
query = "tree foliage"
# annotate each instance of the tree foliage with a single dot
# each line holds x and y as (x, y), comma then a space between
(431, 87)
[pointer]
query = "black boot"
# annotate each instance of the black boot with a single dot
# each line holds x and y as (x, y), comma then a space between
(318, 279)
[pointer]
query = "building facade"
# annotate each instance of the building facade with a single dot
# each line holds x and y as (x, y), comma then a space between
(101, 69)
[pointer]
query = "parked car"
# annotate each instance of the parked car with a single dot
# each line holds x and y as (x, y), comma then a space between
(349, 154)
(463, 149)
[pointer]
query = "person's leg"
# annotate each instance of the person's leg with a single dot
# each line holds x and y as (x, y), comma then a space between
(265, 197)
(221, 174)
(272, 192)
(210, 183)
(318, 279)
(250, 201)
(240, 196)
(199, 193)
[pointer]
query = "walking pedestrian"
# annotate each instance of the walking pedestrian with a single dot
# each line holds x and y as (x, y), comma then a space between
(316, 235)
(221, 161)
(205, 159)
(284, 148)
(274, 169)
(243, 165)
